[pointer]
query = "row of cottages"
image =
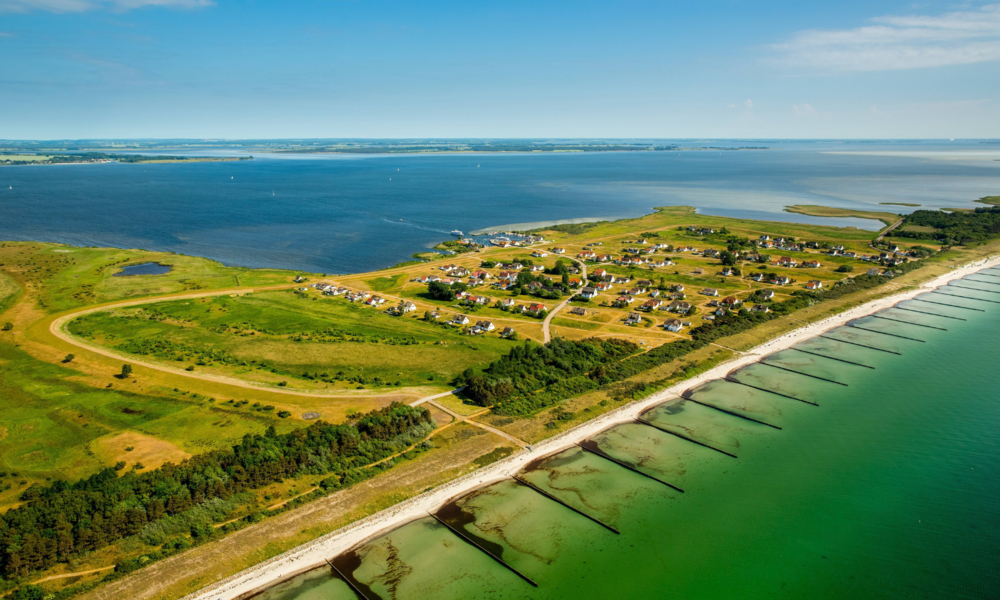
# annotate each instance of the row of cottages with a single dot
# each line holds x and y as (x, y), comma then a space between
(361, 296)
(633, 261)
(586, 255)
(701, 230)
(771, 278)
(509, 305)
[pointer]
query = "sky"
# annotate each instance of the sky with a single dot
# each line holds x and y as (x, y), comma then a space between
(72, 69)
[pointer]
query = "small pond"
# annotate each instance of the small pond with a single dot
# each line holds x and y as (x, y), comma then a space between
(143, 269)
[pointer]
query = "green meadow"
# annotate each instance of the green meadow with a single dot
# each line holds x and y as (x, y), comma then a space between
(287, 333)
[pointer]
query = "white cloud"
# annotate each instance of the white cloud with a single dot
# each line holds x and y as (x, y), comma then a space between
(748, 104)
(72, 6)
(898, 42)
(803, 110)
(731, 106)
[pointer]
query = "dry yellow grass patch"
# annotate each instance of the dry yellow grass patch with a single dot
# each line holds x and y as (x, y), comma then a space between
(148, 450)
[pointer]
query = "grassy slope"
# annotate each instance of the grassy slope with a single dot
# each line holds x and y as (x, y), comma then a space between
(989, 200)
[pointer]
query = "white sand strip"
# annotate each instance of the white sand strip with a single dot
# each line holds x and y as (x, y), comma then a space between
(315, 553)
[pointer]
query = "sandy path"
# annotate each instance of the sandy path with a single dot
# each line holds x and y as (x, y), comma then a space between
(562, 305)
(316, 552)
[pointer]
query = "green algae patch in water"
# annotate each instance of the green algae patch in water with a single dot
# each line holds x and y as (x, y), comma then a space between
(704, 425)
(780, 381)
(424, 559)
(865, 339)
(519, 525)
(650, 450)
(591, 484)
(821, 367)
(747, 402)
(317, 584)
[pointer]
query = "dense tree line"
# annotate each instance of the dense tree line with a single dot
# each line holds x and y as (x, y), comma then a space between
(953, 227)
(62, 520)
(509, 380)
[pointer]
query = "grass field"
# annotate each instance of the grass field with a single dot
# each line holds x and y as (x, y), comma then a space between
(270, 336)
(829, 211)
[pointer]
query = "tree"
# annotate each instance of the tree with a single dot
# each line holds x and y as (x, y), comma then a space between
(126, 371)
(69, 358)
(845, 269)
(7, 326)
(728, 258)
(27, 592)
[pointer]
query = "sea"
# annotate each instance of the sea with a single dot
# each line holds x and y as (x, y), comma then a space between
(352, 213)
(860, 464)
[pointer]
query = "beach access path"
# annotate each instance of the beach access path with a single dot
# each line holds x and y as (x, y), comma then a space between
(316, 552)
(562, 305)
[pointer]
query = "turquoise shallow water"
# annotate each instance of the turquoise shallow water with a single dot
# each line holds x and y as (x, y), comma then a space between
(886, 489)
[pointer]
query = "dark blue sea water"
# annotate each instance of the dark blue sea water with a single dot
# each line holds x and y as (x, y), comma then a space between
(345, 214)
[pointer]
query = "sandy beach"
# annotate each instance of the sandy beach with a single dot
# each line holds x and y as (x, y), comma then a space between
(316, 552)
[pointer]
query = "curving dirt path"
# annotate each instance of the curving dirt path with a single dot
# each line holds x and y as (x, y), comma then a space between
(562, 305)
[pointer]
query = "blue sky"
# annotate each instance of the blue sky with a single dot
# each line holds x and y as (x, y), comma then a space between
(632, 68)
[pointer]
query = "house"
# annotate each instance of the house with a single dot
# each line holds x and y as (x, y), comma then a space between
(760, 308)
(448, 268)
(537, 308)
(727, 272)
(678, 288)
(815, 284)
(539, 254)
(507, 303)
(633, 318)
(536, 268)
(558, 251)
(783, 280)
(507, 332)
(673, 325)
(758, 277)
(699, 271)
(406, 307)
(652, 304)
(459, 272)
(679, 307)
(481, 274)
(637, 291)
(478, 300)
(812, 264)
(720, 312)
(600, 273)
(765, 238)
(375, 301)
(654, 294)
(624, 300)
(460, 320)
(875, 272)
(785, 261)
(710, 292)
(603, 286)
(767, 294)
(731, 301)
(579, 311)
(604, 258)
(485, 325)
(575, 282)
(589, 292)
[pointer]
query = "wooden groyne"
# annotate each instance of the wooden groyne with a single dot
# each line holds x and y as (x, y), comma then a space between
(349, 583)
(908, 323)
(730, 379)
(951, 305)
(856, 364)
(962, 287)
(729, 412)
(895, 335)
(639, 419)
(928, 313)
(484, 550)
(532, 486)
(965, 297)
(861, 345)
(591, 446)
(801, 373)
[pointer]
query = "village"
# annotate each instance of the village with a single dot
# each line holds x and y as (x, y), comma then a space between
(651, 288)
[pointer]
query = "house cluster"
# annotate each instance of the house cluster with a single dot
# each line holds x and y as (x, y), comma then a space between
(535, 308)
(700, 230)
(765, 241)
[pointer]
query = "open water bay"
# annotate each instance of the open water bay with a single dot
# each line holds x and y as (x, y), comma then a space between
(348, 214)
(885, 487)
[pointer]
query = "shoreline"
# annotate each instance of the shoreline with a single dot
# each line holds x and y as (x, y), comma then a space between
(316, 552)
